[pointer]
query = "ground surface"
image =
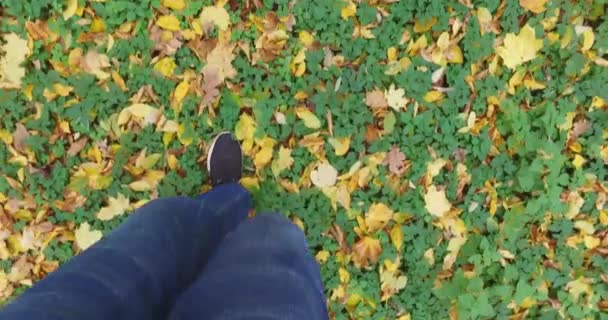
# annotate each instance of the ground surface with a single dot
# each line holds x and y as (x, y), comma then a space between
(445, 158)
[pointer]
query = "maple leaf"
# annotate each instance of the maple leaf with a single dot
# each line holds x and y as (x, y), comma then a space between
(395, 159)
(395, 98)
(377, 217)
(283, 162)
(520, 48)
(220, 58)
(366, 251)
(85, 237)
(214, 15)
(116, 206)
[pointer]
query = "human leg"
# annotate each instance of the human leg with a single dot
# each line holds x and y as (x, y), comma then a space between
(262, 270)
(137, 271)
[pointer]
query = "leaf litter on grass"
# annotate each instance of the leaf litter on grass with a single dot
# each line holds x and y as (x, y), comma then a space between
(444, 160)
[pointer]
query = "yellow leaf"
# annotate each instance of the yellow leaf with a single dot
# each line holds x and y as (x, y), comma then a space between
(298, 63)
(429, 256)
(391, 54)
(116, 206)
(578, 161)
(165, 66)
(180, 92)
(168, 22)
(588, 40)
(322, 256)
(397, 236)
(395, 97)
(604, 217)
(532, 84)
(343, 275)
(436, 203)
(340, 145)
(174, 4)
(283, 162)
(585, 227)
(433, 96)
(70, 9)
(306, 38)
(250, 183)
(15, 51)
(521, 48)
(184, 133)
(172, 162)
(579, 286)
(263, 157)
(536, 6)
(349, 11)
(591, 242)
(214, 15)
(85, 237)
(98, 25)
(420, 27)
(325, 175)
(377, 217)
(149, 181)
(120, 82)
(310, 119)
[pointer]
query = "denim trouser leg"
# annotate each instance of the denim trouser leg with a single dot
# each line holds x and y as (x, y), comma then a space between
(137, 271)
(262, 270)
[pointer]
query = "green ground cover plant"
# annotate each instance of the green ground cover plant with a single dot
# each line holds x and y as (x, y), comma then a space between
(445, 159)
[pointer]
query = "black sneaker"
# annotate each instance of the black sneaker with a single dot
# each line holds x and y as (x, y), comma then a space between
(224, 160)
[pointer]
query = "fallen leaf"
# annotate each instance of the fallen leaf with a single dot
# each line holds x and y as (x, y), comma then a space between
(283, 162)
(95, 63)
(376, 99)
(536, 6)
(436, 203)
(395, 98)
(340, 145)
(366, 251)
(85, 237)
(174, 4)
(19, 137)
(165, 66)
(15, 51)
(377, 217)
(324, 175)
(116, 206)
(396, 235)
(395, 159)
(311, 121)
(520, 48)
(70, 9)
(214, 15)
(168, 22)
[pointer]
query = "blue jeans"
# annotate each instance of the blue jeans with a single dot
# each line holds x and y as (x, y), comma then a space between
(181, 258)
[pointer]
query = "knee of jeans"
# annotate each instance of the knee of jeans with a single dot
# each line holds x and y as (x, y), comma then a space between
(166, 207)
(276, 228)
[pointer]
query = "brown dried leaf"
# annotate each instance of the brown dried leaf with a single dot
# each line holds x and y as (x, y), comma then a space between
(376, 99)
(579, 128)
(395, 160)
(77, 146)
(19, 136)
(366, 251)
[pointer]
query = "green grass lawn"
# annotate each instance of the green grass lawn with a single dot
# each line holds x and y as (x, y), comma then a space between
(446, 159)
